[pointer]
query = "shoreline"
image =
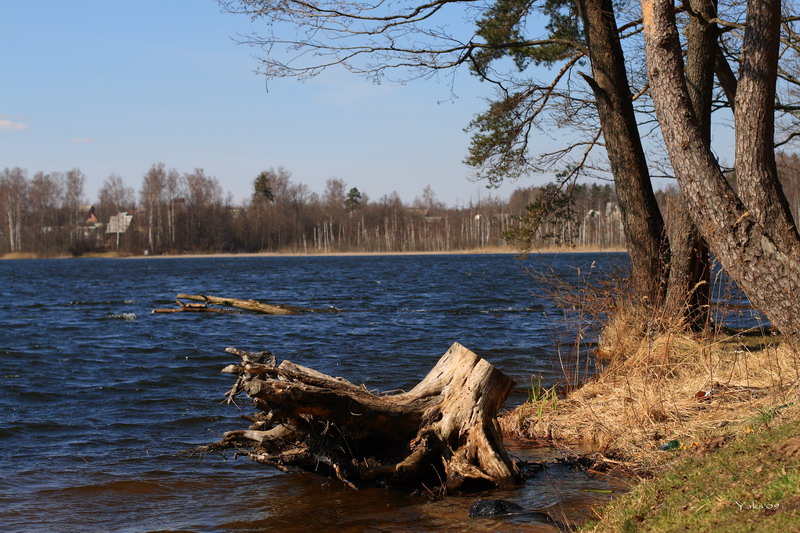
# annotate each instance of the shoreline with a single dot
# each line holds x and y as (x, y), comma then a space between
(672, 412)
(201, 255)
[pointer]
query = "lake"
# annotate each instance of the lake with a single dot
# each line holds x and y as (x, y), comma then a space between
(99, 397)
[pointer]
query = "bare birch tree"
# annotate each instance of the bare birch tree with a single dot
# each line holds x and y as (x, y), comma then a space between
(13, 196)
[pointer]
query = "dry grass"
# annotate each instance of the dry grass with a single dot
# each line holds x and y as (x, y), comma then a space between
(661, 387)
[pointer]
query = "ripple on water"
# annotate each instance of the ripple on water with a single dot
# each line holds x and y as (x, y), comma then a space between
(120, 316)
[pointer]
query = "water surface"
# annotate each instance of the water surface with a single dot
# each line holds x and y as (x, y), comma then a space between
(98, 396)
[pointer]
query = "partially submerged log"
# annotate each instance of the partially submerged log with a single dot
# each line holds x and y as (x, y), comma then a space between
(443, 432)
(246, 305)
(194, 308)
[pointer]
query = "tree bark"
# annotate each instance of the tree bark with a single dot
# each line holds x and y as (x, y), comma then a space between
(751, 235)
(644, 226)
(756, 171)
(441, 433)
(689, 289)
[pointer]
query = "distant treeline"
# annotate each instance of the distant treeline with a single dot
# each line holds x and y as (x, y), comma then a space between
(47, 214)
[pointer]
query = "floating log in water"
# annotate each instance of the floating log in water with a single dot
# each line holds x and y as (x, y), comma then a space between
(247, 305)
(194, 308)
(443, 432)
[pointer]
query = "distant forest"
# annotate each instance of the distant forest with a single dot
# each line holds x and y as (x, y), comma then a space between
(47, 215)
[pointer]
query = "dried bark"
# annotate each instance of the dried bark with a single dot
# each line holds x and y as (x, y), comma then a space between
(441, 433)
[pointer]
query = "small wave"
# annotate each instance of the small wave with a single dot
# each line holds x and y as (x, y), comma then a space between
(49, 427)
(121, 316)
(511, 310)
(120, 486)
(102, 302)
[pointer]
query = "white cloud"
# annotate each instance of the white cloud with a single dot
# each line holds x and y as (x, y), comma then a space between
(81, 140)
(11, 125)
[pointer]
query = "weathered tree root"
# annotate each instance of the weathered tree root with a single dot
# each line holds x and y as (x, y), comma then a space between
(441, 433)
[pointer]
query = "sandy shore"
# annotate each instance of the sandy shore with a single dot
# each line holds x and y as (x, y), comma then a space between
(477, 251)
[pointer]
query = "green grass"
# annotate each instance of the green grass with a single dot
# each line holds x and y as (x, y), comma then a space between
(540, 397)
(752, 483)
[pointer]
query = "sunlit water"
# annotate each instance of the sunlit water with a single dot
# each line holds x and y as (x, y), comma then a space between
(98, 396)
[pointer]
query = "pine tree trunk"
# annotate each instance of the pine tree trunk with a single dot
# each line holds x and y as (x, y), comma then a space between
(752, 235)
(689, 286)
(644, 226)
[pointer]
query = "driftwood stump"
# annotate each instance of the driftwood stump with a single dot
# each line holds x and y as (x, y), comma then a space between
(442, 433)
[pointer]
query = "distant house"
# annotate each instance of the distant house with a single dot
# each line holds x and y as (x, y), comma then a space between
(424, 213)
(418, 211)
(89, 228)
(119, 223)
(87, 214)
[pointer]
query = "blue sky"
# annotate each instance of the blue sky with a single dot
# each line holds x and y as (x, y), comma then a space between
(115, 86)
